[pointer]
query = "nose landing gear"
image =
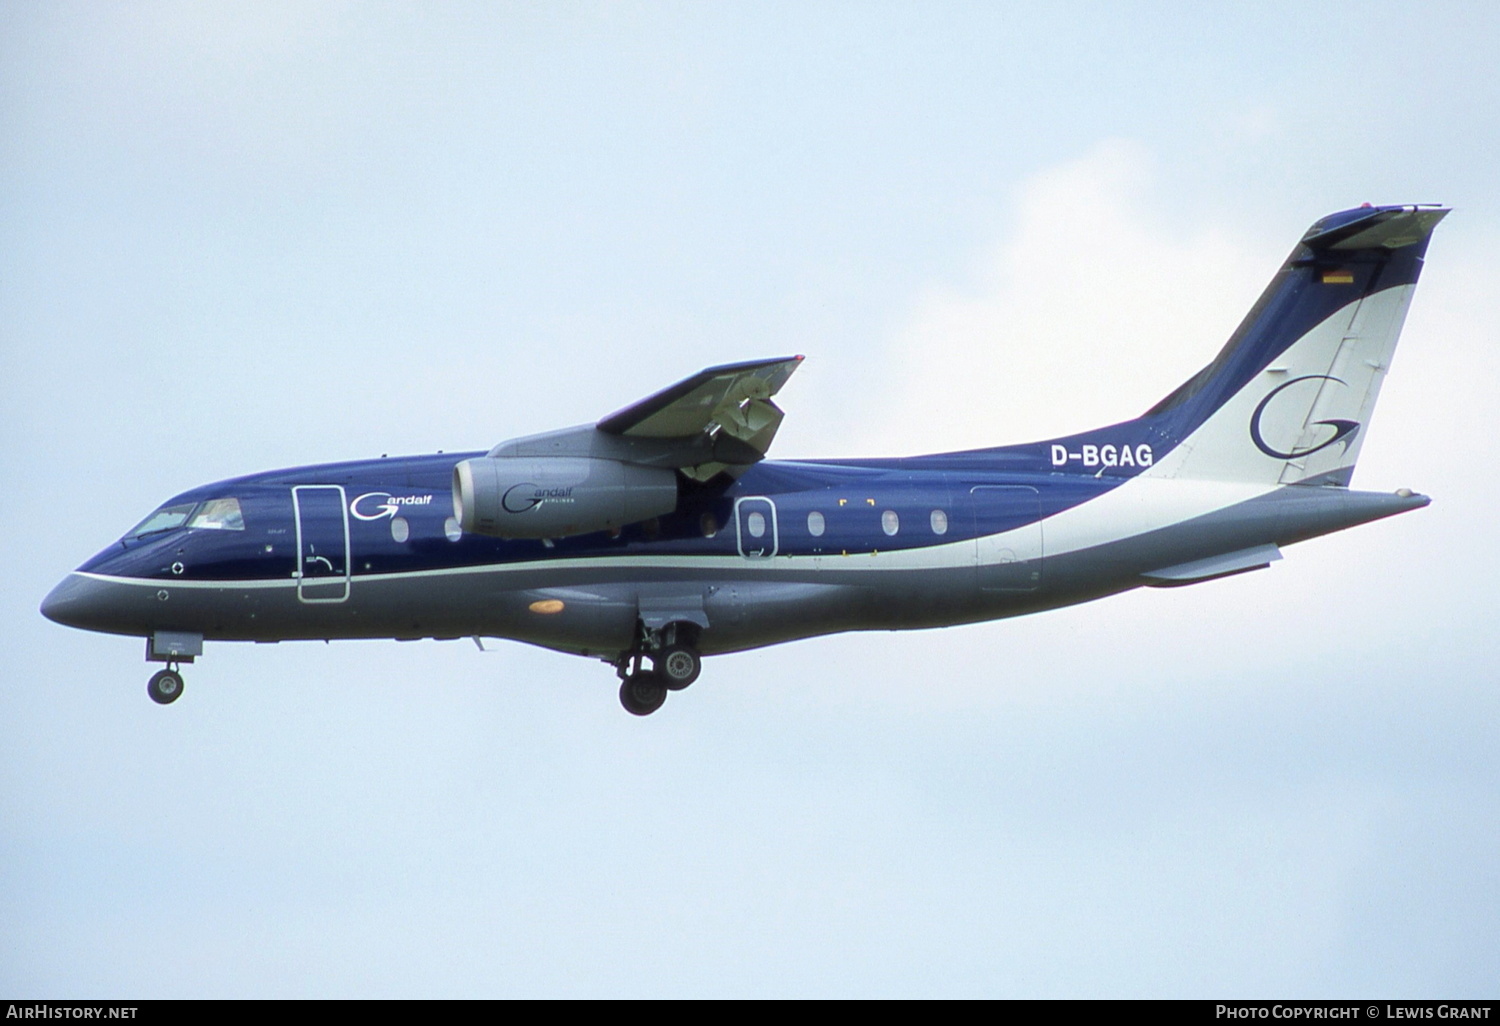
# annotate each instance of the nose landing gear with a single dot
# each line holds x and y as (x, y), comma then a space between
(165, 686)
(173, 648)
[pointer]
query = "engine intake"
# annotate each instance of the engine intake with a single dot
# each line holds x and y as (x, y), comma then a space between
(557, 496)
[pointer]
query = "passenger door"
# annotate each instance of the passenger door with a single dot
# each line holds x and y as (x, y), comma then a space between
(322, 514)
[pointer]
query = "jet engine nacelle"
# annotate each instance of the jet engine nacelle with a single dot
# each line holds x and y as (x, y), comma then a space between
(557, 496)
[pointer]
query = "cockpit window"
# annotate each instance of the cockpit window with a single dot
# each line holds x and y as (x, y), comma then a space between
(164, 519)
(219, 515)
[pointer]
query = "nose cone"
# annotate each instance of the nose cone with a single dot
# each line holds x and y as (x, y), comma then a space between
(83, 603)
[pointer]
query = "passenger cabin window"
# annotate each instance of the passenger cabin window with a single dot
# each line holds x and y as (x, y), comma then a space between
(939, 522)
(219, 515)
(815, 524)
(890, 523)
(164, 519)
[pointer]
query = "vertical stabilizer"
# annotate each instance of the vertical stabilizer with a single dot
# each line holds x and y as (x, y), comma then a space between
(1289, 398)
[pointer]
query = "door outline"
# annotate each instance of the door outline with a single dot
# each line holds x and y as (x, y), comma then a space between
(303, 581)
(998, 567)
(740, 532)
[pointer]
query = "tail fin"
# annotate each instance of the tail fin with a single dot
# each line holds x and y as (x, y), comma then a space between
(1288, 399)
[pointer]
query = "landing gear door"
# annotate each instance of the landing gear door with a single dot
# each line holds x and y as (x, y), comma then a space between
(322, 543)
(755, 527)
(1008, 537)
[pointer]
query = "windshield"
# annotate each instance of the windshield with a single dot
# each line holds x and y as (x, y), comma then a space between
(219, 515)
(163, 519)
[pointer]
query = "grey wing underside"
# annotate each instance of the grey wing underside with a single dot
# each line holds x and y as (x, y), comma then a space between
(720, 420)
(727, 405)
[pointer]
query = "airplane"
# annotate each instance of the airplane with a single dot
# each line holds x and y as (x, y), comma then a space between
(661, 534)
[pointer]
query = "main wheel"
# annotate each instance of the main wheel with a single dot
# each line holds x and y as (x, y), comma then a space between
(678, 666)
(165, 687)
(642, 693)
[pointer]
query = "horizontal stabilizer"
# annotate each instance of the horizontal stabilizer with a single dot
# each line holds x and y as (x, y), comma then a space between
(1378, 228)
(1257, 557)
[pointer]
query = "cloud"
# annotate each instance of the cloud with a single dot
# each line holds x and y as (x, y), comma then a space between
(1089, 309)
(1092, 305)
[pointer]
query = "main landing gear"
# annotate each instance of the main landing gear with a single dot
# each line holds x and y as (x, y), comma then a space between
(642, 692)
(165, 686)
(675, 663)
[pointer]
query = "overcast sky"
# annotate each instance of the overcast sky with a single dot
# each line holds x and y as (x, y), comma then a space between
(233, 240)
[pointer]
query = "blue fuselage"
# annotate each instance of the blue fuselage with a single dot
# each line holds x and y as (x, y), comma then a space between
(661, 533)
(371, 549)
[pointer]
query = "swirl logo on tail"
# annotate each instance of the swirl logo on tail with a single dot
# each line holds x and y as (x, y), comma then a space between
(1343, 430)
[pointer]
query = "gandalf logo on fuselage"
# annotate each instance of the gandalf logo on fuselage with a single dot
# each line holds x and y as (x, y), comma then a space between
(389, 506)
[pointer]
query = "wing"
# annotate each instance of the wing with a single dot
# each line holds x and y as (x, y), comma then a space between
(720, 420)
(726, 396)
(726, 405)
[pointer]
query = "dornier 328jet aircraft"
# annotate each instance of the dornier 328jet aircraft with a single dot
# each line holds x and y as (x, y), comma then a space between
(661, 534)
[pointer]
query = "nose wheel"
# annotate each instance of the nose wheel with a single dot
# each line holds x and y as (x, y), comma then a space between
(165, 686)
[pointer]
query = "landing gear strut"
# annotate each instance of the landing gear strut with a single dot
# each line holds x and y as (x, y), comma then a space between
(165, 686)
(675, 664)
(173, 648)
